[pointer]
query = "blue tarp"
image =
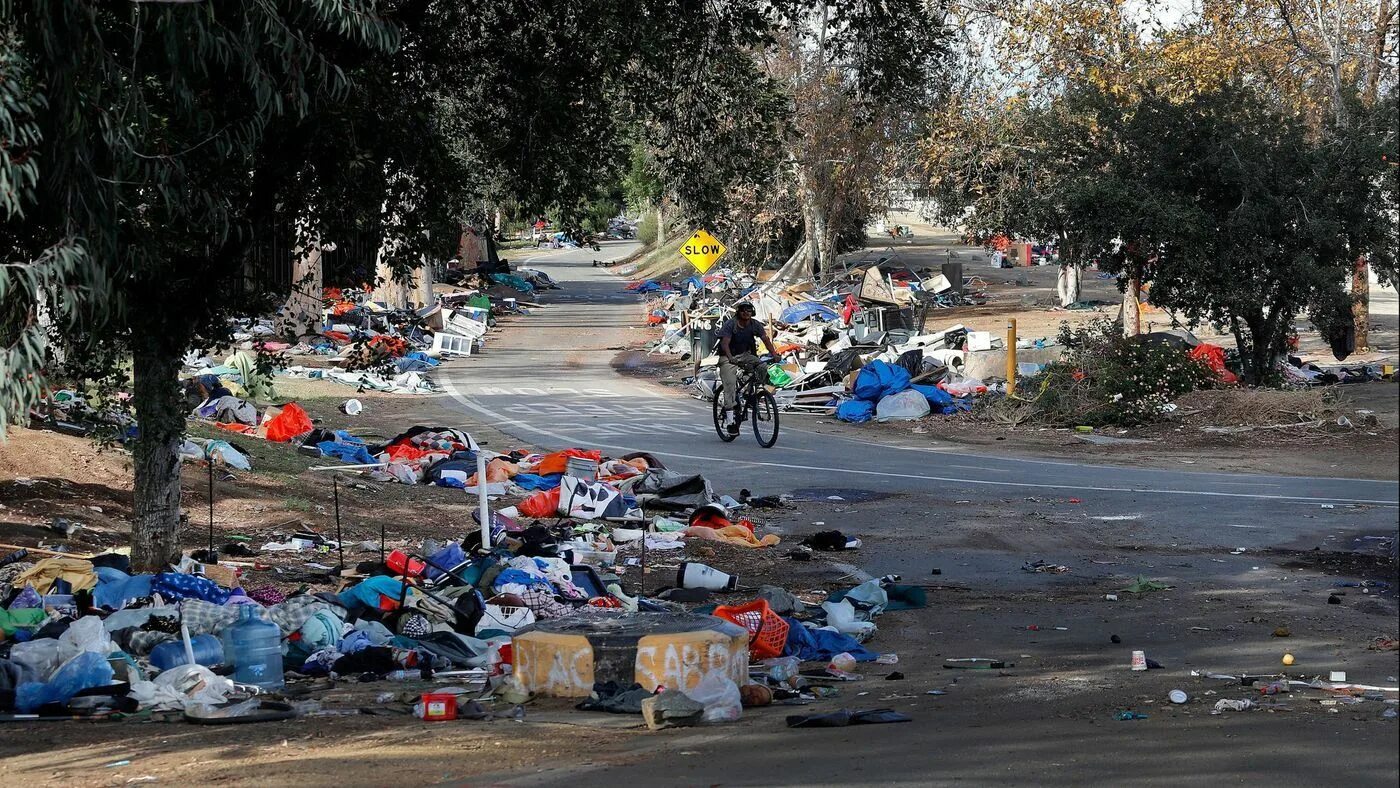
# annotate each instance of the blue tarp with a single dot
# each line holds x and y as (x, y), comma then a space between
(532, 481)
(879, 379)
(856, 411)
(514, 282)
(799, 312)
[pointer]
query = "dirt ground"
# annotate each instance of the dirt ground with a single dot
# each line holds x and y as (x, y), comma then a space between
(1055, 632)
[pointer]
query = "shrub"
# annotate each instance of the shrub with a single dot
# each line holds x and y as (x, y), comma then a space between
(1106, 379)
(648, 229)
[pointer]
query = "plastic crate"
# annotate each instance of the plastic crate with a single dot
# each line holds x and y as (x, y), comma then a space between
(767, 630)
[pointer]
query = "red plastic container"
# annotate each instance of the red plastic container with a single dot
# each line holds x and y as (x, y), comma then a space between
(439, 707)
(401, 563)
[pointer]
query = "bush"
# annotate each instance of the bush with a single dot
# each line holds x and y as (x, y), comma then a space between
(1106, 379)
(648, 229)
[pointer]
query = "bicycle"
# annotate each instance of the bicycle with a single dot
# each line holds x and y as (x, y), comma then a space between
(754, 402)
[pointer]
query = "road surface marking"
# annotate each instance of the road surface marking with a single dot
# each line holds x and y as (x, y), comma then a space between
(499, 420)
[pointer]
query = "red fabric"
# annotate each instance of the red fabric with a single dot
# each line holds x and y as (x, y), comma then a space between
(1214, 357)
(337, 336)
(341, 307)
(544, 503)
(392, 345)
(554, 463)
(407, 452)
(850, 309)
(288, 424)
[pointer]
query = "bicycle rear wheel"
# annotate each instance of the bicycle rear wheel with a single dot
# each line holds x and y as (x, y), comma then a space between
(717, 410)
(765, 419)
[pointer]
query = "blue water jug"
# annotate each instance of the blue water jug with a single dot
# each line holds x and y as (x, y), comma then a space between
(255, 649)
(208, 651)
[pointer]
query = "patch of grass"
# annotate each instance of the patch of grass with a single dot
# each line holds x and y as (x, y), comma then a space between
(276, 459)
(296, 504)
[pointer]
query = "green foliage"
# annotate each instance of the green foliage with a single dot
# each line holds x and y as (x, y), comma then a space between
(648, 229)
(1238, 215)
(1105, 379)
(641, 186)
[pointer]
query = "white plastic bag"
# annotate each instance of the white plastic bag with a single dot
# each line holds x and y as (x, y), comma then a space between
(841, 616)
(37, 658)
(904, 406)
(720, 696)
(964, 387)
(181, 685)
(85, 634)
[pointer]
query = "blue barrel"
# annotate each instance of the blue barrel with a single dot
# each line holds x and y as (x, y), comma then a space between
(208, 651)
(255, 649)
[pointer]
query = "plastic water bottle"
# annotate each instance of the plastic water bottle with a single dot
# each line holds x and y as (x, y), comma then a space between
(208, 651)
(255, 648)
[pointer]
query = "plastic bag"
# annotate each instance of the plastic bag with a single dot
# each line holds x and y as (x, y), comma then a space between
(38, 658)
(181, 685)
(965, 387)
(288, 423)
(720, 696)
(541, 504)
(85, 634)
(87, 669)
(904, 406)
(841, 616)
(855, 411)
(232, 457)
(879, 379)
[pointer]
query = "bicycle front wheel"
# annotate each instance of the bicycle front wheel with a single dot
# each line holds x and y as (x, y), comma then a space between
(765, 419)
(717, 410)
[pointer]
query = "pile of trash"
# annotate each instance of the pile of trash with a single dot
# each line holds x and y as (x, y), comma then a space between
(372, 347)
(871, 311)
(86, 637)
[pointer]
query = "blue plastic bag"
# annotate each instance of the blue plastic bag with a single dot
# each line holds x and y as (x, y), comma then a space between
(879, 379)
(941, 401)
(88, 669)
(856, 411)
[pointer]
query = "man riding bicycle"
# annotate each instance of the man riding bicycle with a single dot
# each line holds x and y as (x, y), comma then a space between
(738, 347)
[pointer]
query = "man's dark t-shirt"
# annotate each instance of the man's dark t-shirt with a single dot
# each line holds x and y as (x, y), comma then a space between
(742, 339)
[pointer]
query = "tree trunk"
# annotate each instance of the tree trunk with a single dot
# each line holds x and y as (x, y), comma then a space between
(423, 283)
(1361, 304)
(156, 457)
(301, 313)
(818, 240)
(1132, 317)
(1067, 284)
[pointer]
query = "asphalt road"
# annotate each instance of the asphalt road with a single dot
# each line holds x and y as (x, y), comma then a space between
(550, 380)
